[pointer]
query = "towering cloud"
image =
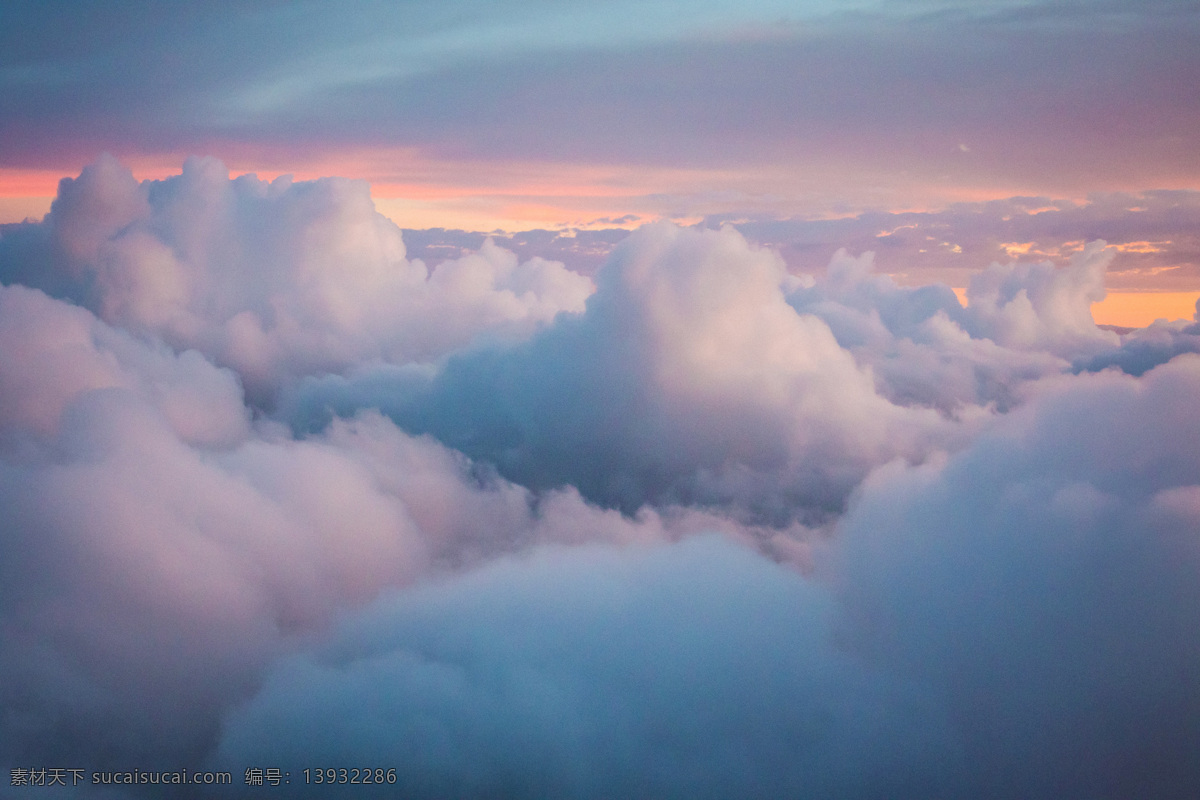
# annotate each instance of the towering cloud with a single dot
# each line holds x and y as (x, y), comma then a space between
(922, 346)
(688, 379)
(1041, 307)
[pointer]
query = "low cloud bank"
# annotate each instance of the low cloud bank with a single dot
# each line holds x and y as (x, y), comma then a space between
(698, 670)
(1013, 621)
(1153, 234)
(1146, 348)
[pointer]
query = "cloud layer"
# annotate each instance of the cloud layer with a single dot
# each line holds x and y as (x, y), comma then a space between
(276, 495)
(696, 670)
(1014, 621)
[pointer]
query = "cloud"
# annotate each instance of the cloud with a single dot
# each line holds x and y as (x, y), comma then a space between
(924, 349)
(689, 378)
(1148, 347)
(272, 279)
(1152, 232)
(859, 102)
(702, 372)
(695, 670)
(1041, 307)
(582, 251)
(1152, 235)
(1011, 621)
(55, 352)
(718, 529)
(159, 548)
(1046, 579)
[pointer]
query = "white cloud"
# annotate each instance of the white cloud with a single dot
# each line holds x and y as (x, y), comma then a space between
(943, 564)
(159, 548)
(279, 279)
(921, 345)
(688, 379)
(54, 352)
(1043, 307)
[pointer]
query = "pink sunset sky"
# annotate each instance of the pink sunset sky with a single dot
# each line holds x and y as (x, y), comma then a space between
(555, 117)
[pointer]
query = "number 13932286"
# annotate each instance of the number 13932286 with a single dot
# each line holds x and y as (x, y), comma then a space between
(355, 775)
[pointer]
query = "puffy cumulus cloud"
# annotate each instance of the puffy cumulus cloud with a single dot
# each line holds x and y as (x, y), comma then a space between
(688, 379)
(922, 346)
(949, 560)
(1043, 307)
(145, 585)
(272, 279)
(158, 549)
(1013, 621)
(1046, 581)
(694, 670)
(703, 372)
(144, 580)
(54, 352)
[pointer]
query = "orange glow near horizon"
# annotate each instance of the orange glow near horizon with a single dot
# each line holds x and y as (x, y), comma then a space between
(421, 192)
(1135, 309)
(418, 190)
(20, 183)
(1139, 309)
(428, 190)
(486, 194)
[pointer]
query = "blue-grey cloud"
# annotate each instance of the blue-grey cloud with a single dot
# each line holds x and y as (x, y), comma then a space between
(1014, 621)
(1142, 350)
(698, 670)
(1046, 579)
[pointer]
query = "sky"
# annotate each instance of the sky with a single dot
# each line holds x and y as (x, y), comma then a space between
(562, 115)
(706, 400)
